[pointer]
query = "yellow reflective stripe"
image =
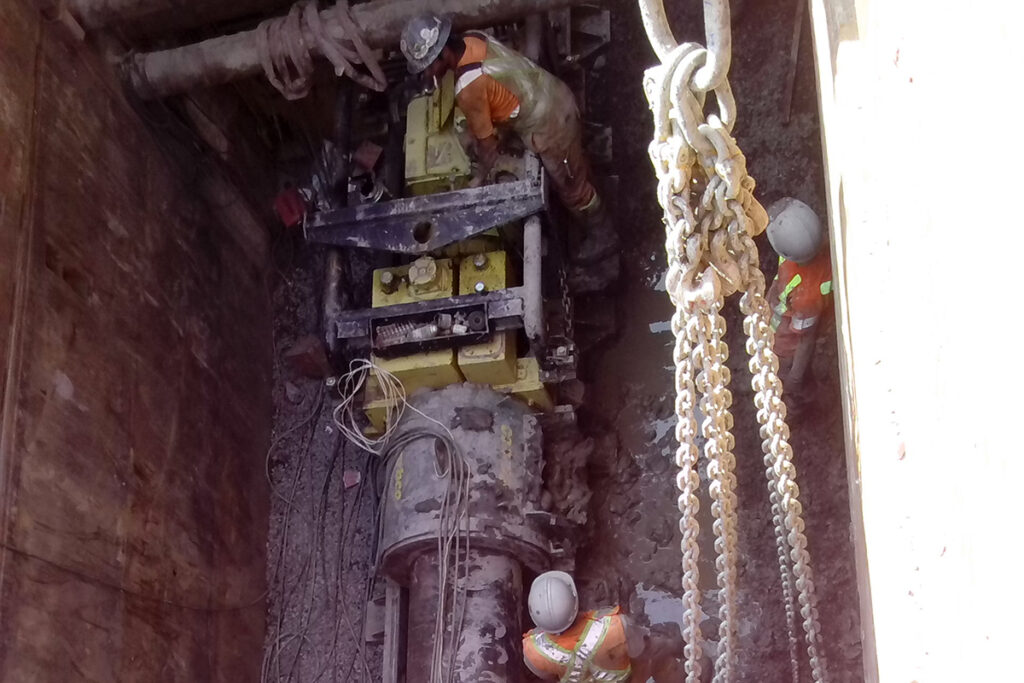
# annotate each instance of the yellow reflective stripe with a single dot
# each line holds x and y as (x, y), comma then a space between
(826, 288)
(783, 305)
(793, 284)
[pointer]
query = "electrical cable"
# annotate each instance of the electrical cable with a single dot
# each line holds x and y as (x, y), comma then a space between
(382, 453)
(345, 539)
(272, 654)
(347, 415)
(453, 547)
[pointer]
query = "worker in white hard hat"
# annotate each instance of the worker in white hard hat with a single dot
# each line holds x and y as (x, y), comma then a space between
(496, 87)
(569, 646)
(801, 293)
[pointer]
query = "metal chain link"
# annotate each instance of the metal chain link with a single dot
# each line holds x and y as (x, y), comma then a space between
(688, 483)
(563, 281)
(780, 471)
(716, 428)
(711, 255)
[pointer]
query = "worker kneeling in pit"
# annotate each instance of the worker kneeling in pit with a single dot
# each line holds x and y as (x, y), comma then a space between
(568, 646)
(497, 86)
(800, 294)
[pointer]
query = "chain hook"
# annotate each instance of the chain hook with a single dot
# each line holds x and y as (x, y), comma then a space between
(711, 254)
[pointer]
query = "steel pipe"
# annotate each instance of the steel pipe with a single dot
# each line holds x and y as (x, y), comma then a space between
(94, 14)
(228, 58)
(489, 643)
(533, 301)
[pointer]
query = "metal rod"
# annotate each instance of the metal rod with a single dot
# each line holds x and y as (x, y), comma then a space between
(228, 58)
(534, 36)
(533, 304)
(334, 299)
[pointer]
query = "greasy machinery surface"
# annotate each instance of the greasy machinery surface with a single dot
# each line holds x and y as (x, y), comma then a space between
(457, 321)
(505, 535)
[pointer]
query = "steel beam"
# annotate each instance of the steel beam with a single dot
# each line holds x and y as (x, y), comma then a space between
(419, 225)
(228, 58)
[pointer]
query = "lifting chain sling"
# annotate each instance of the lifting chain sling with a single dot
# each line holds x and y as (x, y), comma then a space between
(711, 218)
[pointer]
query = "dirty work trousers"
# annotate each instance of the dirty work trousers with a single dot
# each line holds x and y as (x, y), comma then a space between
(558, 141)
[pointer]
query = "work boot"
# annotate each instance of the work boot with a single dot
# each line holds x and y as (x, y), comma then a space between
(599, 237)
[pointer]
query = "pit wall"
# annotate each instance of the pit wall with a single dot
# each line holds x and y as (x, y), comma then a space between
(136, 339)
(923, 164)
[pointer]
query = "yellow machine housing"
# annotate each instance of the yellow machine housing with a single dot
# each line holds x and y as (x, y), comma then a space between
(435, 160)
(420, 286)
(493, 362)
(418, 281)
(527, 385)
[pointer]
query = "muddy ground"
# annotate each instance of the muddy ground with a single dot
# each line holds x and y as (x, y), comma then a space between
(319, 549)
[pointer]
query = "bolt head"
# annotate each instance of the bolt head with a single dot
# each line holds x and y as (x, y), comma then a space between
(480, 261)
(480, 288)
(423, 271)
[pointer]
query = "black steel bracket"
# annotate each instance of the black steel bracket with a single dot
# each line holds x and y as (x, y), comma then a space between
(418, 225)
(504, 312)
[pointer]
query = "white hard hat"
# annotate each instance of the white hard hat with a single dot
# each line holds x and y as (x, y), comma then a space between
(423, 38)
(553, 602)
(794, 230)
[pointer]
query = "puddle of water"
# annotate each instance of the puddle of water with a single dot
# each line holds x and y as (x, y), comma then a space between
(660, 327)
(661, 607)
(655, 277)
(663, 427)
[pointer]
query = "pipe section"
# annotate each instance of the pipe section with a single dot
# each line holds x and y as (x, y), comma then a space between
(95, 14)
(489, 645)
(228, 58)
(533, 302)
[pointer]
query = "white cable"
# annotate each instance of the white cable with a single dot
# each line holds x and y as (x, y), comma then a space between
(453, 522)
(346, 413)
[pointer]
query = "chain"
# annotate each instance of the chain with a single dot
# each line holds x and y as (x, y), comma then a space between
(688, 483)
(711, 217)
(780, 471)
(563, 282)
(718, 447)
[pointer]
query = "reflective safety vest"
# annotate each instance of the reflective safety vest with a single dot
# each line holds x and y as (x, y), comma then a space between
(544, 100)
(801, 298)
(592, 649)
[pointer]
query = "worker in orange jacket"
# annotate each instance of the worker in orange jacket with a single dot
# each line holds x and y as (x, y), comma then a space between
(571, 647)
(496, 87)
(801, 292)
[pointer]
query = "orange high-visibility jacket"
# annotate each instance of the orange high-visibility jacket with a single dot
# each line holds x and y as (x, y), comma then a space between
(798, 296)
(595, 645)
